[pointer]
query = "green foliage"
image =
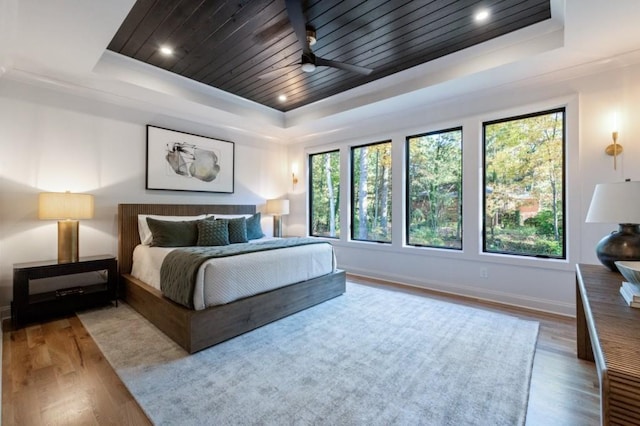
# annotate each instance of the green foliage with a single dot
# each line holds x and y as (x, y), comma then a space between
(324, 177)
(510, 219)
(524, 240)
(543, 222)
(524, 173)
(434, 179)
(371, 186)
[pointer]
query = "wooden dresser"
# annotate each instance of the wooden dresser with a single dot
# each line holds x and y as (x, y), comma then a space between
(608, 333)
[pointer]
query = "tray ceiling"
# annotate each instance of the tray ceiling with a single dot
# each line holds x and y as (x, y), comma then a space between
(230, 45)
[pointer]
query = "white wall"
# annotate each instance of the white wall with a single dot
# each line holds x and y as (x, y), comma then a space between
(52, 141)
(540, 284)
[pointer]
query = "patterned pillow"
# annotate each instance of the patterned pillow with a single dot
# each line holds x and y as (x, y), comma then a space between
(254, 229)
(213, 233)
(237, 230)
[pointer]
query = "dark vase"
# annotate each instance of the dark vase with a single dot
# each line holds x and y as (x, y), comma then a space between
(623, 244)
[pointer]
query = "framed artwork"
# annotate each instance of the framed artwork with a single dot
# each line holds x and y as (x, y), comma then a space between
(181, 161)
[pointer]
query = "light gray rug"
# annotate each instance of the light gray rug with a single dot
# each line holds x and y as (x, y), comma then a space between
(369, 357)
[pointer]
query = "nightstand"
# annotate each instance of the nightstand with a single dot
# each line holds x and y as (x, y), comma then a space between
(98, 284)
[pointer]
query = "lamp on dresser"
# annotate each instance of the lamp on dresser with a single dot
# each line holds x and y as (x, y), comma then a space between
(617, 203)
(67, 207)
(277, 208)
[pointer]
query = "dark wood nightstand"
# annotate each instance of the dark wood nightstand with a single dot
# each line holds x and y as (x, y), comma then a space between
(100, 286)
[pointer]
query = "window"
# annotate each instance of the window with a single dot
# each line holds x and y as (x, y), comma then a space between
(371, 192)
(324, 193)
(524, 172)
(434, 189)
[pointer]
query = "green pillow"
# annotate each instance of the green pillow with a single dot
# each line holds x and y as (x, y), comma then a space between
(237, 230)
(173, 234)
(213, 233)
(254, 229)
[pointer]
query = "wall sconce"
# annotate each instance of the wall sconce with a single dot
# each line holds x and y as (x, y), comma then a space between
(294, 173)
(67, 208)
(277, 208)
(615, 148)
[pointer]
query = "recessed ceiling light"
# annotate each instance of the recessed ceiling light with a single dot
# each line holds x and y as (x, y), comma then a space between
(482, 15)
(282, 98)
(166, 50)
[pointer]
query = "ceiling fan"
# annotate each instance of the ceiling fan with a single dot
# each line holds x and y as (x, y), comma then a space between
(306, 35)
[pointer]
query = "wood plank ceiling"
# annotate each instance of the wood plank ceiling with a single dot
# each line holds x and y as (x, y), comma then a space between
(230, 44)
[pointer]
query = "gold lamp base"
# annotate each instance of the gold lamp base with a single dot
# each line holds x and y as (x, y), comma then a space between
(277, 226)
(68, 241)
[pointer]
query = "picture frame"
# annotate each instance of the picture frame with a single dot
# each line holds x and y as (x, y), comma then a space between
(179, 161)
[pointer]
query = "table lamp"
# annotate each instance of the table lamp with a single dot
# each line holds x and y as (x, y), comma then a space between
(617, 203)
(67, 208)
(277, 208)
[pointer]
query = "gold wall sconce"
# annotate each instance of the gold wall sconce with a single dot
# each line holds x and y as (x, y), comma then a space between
(294, 173)
(615, 148)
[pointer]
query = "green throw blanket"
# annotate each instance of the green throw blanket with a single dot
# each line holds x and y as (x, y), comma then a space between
(180, 267)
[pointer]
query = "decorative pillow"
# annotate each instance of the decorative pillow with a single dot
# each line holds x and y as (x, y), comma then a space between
(145, 232)
(213, 233)
(237, 230)
(254, 228)
(173, 233)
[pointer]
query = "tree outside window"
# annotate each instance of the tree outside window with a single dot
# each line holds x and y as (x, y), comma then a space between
(324, 194)
(434, 189)
(524, 173)
(371, 192)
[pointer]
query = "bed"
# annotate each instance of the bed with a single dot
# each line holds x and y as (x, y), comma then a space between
(195, 330)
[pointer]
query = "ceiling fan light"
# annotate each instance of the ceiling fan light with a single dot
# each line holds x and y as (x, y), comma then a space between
(308, 67)
(311, 37)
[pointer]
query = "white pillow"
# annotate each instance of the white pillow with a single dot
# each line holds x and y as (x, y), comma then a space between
(230, 216)
(143, 227)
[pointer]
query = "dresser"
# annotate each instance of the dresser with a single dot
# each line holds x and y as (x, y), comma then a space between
(608, 333)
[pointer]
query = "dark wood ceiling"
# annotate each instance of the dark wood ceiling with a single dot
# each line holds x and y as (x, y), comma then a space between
(230, 44)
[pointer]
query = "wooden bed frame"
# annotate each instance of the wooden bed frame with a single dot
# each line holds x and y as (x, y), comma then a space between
(196, 330)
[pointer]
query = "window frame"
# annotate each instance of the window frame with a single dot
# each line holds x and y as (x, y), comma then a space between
(407, 197)
(352, 200)
(565, 149)
(311, 193)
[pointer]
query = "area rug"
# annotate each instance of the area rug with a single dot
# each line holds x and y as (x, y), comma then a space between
(369, 357)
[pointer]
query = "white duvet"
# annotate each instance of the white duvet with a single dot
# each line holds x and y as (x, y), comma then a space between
(223, 280)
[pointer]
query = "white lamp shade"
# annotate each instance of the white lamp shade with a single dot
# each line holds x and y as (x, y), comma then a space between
(278, 207)
(65, 205)
(615, 203)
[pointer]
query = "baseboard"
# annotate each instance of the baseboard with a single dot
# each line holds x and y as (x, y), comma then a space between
(516, 300)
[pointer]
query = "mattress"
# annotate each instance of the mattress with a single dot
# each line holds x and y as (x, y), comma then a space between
(223, 280)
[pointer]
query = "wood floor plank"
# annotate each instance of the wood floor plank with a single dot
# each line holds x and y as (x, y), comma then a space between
(54, 373)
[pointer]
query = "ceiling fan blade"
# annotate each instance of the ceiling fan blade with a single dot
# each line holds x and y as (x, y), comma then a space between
(277, 72)
(269, 33)
(341, 65)
(298, 22)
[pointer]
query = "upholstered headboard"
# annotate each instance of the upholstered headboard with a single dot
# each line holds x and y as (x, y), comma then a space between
(129, 238)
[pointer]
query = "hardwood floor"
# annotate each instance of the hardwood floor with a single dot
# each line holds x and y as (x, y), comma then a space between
(53, 373)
